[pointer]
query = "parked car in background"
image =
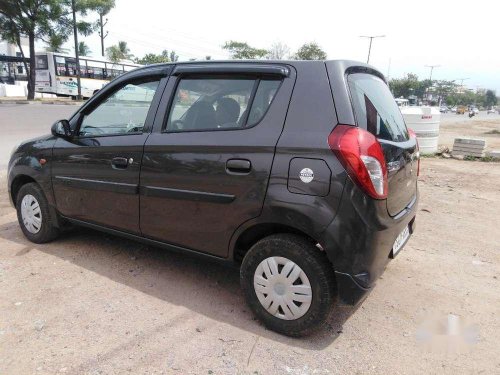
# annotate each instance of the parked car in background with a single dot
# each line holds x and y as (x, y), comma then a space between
(302, 173)
(491, 110)
(443, 109)
(453, 109)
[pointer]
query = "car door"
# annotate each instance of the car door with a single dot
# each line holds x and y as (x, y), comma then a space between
(207, 164)
(95, 173)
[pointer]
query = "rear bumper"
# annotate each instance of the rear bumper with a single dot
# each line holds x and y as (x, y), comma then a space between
(359, 241)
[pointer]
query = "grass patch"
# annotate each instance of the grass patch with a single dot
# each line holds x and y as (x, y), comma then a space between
(485, 159)
(494, 131)
(429, 156)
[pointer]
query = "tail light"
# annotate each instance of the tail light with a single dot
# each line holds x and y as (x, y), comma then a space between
(361, 155)
(414, 135)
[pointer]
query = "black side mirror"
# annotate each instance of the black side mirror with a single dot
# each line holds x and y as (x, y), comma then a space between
(61, 128)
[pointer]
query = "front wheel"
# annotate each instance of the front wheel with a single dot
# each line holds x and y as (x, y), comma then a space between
(288, 283)
(33, 214)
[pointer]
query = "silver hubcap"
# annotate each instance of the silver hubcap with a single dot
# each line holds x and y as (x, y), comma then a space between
(282, 288)
(31, 214)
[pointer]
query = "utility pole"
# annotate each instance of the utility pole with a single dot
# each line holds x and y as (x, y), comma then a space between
(432, 68)
(371, 37)
(461, 80)
(75, 34)
(101, 33)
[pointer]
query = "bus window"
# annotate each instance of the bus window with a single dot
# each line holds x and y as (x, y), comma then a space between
(42, 62)
(60, 65)
(94, 72)
(114, 70)
(71, 67)
(95, 69)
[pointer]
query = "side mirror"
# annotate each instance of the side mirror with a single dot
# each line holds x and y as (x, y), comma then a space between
(61, 128)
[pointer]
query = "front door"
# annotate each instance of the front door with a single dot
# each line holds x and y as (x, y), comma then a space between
(95, 174)
(207, 164)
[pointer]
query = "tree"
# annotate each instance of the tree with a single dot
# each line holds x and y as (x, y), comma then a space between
(490, 99)
(310, 51)
(409, 85)
(278, 51)
(38, 19)
(119, 52)
(173, 56)
(151, 58)
(241, 50)
(83, 49)
(55, 42)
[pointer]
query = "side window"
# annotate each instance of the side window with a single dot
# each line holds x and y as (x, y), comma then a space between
(219, 103)
(263, 98)
(375, 108)
(123, 112)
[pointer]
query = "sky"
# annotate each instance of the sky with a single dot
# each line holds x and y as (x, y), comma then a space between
(462, 37)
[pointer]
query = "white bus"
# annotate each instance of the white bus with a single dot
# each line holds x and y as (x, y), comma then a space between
(56, 74)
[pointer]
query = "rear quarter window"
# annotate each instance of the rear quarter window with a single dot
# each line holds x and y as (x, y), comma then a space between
(375, 108)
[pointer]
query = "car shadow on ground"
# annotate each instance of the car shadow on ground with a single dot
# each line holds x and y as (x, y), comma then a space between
(200, 285)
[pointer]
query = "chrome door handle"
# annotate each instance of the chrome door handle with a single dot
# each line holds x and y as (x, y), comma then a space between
(119, 163)
(238, 166)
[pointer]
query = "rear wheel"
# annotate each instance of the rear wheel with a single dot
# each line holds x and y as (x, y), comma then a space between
(288, 283)
(33, 214)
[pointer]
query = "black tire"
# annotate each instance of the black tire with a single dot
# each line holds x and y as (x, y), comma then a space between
(47, 231)
(315, 265)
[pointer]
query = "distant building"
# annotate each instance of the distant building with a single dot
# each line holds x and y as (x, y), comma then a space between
(11, 64)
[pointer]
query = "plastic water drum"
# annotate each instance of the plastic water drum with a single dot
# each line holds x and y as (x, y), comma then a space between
(425, 123)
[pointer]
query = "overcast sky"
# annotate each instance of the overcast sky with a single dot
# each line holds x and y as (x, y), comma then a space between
(462, 37)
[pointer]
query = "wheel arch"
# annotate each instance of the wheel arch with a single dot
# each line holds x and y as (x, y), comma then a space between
(16, 184)
(250, 235)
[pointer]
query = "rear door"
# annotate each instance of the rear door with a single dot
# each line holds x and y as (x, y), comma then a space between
(376, 111)
(206, 166)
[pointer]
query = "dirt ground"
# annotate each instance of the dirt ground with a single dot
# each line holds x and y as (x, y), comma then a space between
(486, 129)
(90, 303)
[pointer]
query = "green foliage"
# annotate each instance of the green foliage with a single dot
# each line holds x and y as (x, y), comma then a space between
(241, 50)
(490, 98)
(151, 58)
(173, 56)
(119, 52)
(310, 51)
(83, 49)
(409, 85)
(55, 42)
(462, 98)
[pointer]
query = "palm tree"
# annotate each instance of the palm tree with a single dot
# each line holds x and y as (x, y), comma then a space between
(83, 49)
(124, 50)
(119, 52)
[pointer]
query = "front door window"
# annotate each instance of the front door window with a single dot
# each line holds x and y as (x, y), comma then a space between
(123, 112)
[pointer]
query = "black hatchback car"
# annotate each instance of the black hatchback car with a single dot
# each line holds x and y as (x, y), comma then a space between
(301, 172)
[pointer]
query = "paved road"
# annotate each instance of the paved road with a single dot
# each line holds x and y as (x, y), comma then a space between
(453, 117)
(19, 122)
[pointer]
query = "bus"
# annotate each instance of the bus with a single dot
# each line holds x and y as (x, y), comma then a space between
(56, 73)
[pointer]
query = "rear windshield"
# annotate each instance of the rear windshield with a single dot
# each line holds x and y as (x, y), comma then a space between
(375, 108)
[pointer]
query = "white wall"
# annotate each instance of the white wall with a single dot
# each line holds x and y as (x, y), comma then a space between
(11, 49)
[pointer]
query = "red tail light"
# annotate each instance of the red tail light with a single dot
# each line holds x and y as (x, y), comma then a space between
(414, 135)
(361, 155)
